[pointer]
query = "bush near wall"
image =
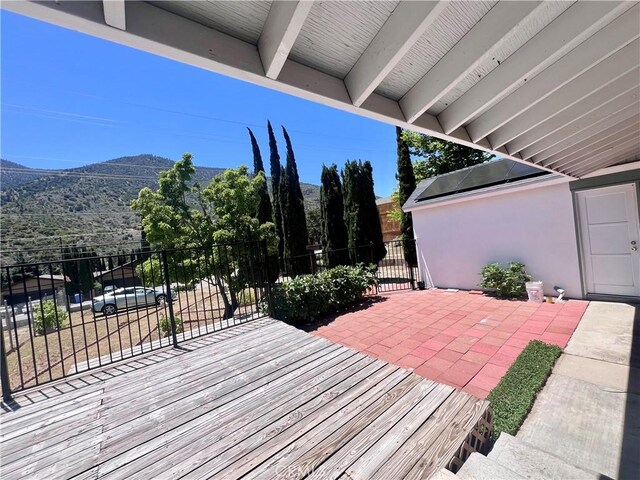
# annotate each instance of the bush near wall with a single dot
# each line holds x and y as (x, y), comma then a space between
(513, 397)
(307, 296)
(49, 317)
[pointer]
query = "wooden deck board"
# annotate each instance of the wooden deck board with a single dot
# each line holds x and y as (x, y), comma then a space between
(260, 400)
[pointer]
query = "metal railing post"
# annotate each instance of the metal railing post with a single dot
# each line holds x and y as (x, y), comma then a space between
(167, 281)
(267, 275)
(4, 370)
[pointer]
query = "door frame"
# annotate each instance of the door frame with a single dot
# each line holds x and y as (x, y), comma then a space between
(620, 178)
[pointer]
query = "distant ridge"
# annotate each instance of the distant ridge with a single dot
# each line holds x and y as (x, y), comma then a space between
(88, 205)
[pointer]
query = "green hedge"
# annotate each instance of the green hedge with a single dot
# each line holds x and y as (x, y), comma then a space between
(513, 397)
(307, 296)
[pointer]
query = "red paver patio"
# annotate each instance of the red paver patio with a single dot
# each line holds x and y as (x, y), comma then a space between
(463, 339)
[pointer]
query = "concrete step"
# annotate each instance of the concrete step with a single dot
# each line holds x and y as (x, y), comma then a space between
(479, 467)
(443, 474)
(530, 462)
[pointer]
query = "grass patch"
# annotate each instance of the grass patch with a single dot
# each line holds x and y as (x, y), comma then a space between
(513, 397)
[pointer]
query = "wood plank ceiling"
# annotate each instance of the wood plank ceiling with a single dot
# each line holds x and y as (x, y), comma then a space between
(554, 83)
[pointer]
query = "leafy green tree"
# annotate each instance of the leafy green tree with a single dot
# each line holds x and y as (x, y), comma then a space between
(265, 211)
(276, 174)
(314, 225)
(294, 220)
(335, 240)
(361, 213)
(437, 157)
(220, 225)
(432, 157)
(406, 185)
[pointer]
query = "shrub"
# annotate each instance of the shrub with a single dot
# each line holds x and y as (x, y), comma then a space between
(505, 282)
(49, 317)
(307, 296)
(165, 325)
(513, 397)
(246, 297)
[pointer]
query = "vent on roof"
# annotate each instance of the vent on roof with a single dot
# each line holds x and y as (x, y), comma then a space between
(488, 174)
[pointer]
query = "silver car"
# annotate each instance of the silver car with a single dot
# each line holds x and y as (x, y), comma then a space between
(130, 297)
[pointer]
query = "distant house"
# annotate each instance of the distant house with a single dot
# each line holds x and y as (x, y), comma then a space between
(579, 234)
(121, 276)
(390, 228)
(34, 287)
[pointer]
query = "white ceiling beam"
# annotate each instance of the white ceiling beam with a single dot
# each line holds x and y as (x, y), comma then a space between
(581, 116)
(479, 42)
(576, 24)
(623, 137)
(629, 156)
(589, 83)
(617, 153)
(400, 32)
(114, 13)
(279, 33)
(621, 106)
(606, 41)
(571, 141)
(159, 32)
(626, 126)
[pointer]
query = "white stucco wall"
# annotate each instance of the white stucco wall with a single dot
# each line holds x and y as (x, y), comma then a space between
(534, 226)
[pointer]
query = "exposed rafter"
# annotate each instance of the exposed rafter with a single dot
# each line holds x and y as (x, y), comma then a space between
(400, 32)
(608, 101)
(279, 33)
(114, 13)
(608, 40)
(479, 42)
(626, 137)
(629, 125)
(576, 24)
(617, 153)
(578, 139)
(589, 83)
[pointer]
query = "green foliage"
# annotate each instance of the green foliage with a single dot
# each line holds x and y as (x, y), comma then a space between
(103, 201)
(224, 217)
(335, 239)
(264, 212)
(361, 213)
(80, 270)
(49, 317)
(440, 156)
(314, 225)
(506, 282)
(294, 220)
(307, 296)
(406, 186)
(165, 325)
(276, 176)
(513, 397)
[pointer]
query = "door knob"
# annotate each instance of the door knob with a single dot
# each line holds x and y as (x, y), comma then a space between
(634, 249)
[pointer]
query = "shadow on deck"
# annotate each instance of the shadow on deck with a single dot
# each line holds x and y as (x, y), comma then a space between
(260, 400)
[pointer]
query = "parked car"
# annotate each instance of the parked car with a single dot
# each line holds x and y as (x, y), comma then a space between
(130, 297)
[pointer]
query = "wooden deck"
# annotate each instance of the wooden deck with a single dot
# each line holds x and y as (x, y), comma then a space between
(260, 400)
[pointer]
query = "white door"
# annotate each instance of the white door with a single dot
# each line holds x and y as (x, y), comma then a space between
(610, 238)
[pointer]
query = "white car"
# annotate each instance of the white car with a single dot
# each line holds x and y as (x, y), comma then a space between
(130, 297)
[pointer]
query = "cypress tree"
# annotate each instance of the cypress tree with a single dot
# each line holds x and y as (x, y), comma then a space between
(276, 173)
(361, 213)
(406, 186)
(265, 211)
(334, 231)
(294, 221)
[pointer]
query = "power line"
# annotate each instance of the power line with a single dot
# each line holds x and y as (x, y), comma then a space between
(66, 214)
(191, 114)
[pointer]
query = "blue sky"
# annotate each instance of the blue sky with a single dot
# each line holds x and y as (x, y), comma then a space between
(69, 99)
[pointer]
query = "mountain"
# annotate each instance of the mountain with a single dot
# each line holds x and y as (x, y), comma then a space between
(89, 205)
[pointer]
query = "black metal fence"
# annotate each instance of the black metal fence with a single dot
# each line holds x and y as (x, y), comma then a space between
(62, 317)
(392, 271)
(67, 316)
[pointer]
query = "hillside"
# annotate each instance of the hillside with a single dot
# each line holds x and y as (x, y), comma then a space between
(88, 205)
